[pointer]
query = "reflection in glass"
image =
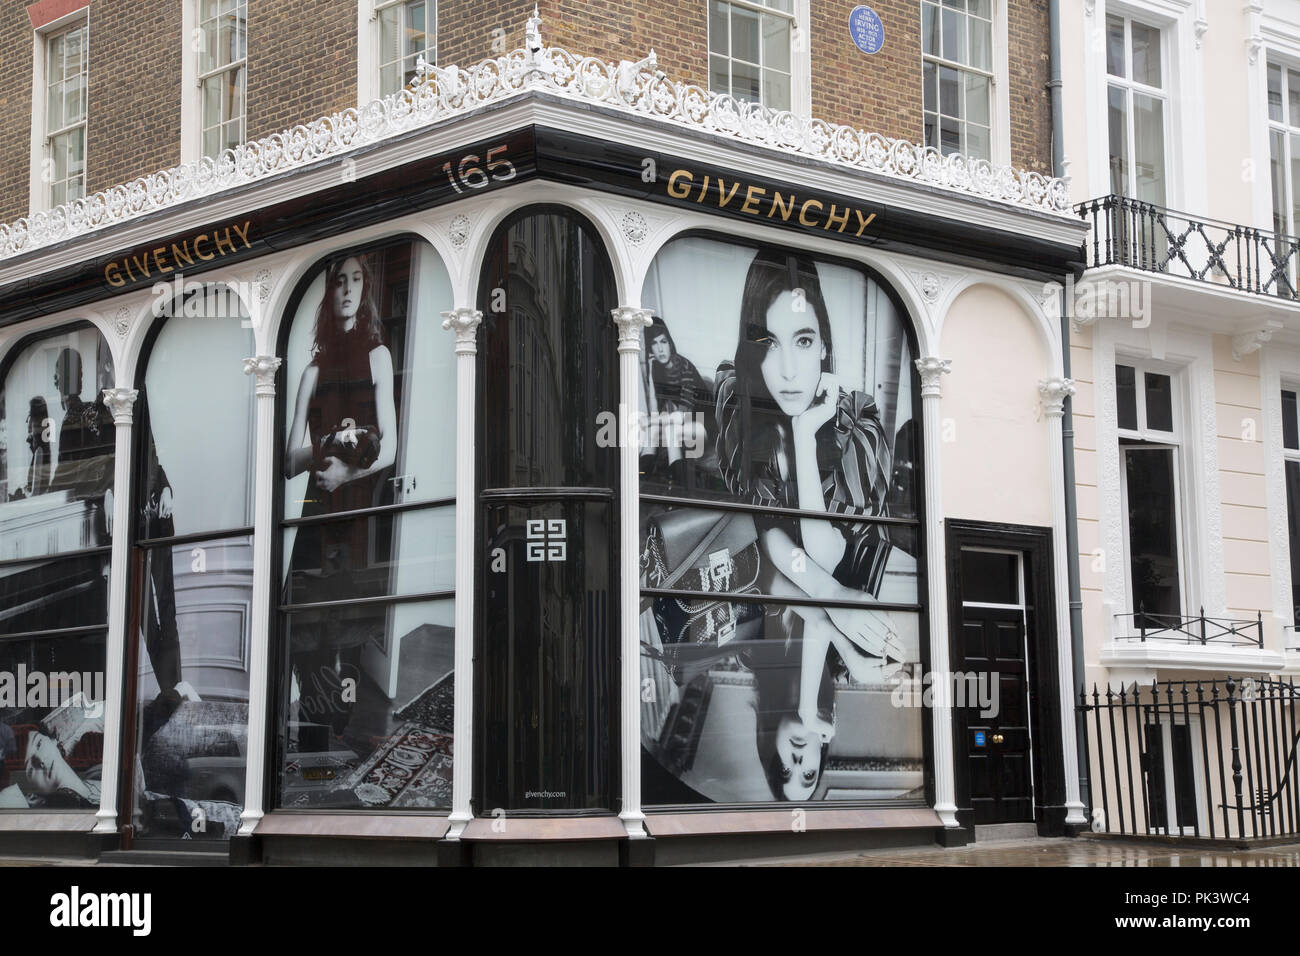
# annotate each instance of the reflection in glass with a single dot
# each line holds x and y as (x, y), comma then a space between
(51, 722)
(58, 440)
(1153, 532)
(371, 726)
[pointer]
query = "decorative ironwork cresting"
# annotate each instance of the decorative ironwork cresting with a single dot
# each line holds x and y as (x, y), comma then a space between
(440, 93)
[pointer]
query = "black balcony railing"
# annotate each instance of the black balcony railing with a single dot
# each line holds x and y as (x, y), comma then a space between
(1197, 629)
(1215, 759)
(1128, 232)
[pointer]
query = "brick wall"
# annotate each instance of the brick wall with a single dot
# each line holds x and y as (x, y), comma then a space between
(302, 62)
(16, 103)
(134, 77)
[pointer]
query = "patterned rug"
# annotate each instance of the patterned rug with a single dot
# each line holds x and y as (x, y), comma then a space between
(413, 768)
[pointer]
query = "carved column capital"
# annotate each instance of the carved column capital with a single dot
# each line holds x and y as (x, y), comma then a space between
(1053, 392)
(932, 370)
(121, 402)
(465, 323)
(264, 367)
(630, 322)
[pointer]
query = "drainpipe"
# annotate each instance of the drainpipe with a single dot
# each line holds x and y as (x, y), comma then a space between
(1067, 422)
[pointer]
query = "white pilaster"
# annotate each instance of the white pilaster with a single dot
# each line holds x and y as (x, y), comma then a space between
(465, 323)
(264, 367)
(120, 402)
(936, 563)
(1054, 392)
(630, 321)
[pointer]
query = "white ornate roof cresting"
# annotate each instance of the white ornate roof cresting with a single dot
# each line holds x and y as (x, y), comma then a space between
(439, 93)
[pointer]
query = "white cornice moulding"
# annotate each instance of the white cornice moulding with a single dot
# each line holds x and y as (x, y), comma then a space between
(442, 93)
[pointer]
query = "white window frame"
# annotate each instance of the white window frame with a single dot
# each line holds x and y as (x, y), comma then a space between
(1170, 823)
(1174, 440)
(368, 38)
(1181, 31)
(191, 124)
(1131, 87)
(38, 189)
(999, 85)
(800, 44)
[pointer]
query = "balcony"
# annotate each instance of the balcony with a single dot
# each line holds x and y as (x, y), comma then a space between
(1139, 235)
(1143, 643)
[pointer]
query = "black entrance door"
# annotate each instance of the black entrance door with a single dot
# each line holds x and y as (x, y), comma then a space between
(546, 696)
(998, 738)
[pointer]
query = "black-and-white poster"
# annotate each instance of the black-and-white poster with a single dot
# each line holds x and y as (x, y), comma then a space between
(774, 632)
(369, 419)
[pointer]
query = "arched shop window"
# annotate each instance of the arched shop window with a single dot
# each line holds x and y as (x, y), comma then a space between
(192, 571)
(547, 707)
(369, 539)
(779, 529)
(56, 487)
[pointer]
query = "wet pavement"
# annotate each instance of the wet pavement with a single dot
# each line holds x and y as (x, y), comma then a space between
(1081, 851)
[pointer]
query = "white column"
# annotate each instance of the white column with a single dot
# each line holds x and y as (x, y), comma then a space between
(1054, 392)
(120, 402)
(264, 367)
(630, 323)
(936, 567)
(465, 323)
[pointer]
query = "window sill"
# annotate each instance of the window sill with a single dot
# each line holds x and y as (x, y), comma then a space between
(382, 826)
(1138, 658)
(65, 820)
(709, 822)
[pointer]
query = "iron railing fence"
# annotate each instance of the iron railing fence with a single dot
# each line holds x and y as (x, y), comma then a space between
(1129, 232)
(1209, 759)
(1192, 629)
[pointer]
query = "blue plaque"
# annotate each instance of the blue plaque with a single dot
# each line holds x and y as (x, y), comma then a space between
(866, 29)
(979, 738)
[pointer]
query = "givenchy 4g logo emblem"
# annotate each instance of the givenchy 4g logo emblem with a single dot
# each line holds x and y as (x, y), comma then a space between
(547, 539)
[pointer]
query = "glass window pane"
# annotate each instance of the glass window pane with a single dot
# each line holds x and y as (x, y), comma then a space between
(1115, 47)
(718, 31)
(54, 108)
(744, 34)
(954, 36)
(52, 595)
(776, 90)
(1275, 92)
(1126, 396)
(932, 130)
(949, 136)
(977, 99)
(1293, 534)
(1293, 97)
(949, 91)
(930, 85)
(776, 44)
(390, 46)
(1295, 178)
(192, 683)
(1146, 54)
(212, 141)
(77, 152)
(1153, 533)
(58, 444)
(981, 44)
(977, 141)
(1117, 126)
(390, 79)
(955, 4)
(930, 29)
(981, 8)
(745, 81)
(1159, 402)
(989, 577)
(1290, 425)
(1277, 174)
(51, 746)
(1149, 148)
(719, 74)
(211, 102)
(367, 708)
(415, 39)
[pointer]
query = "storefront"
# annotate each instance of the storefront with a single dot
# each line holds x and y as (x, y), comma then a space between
(537, 465)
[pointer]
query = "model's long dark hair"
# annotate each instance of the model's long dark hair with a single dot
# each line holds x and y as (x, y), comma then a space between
(776, 666)
(762, 428)
(328, 332)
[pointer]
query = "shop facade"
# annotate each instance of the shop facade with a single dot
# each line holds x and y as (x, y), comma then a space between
(547, 462)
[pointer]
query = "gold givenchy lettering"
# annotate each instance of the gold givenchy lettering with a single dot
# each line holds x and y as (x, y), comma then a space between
(163, 260)
(811, 213)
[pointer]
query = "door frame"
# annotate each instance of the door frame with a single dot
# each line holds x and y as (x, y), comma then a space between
(1034, 544)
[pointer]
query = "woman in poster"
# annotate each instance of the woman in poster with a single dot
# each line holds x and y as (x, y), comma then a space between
(791, 436)
(677, 392)
(344, 433)
(39, 470)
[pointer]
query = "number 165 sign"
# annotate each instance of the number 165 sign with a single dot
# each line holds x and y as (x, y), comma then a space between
(475, 172)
